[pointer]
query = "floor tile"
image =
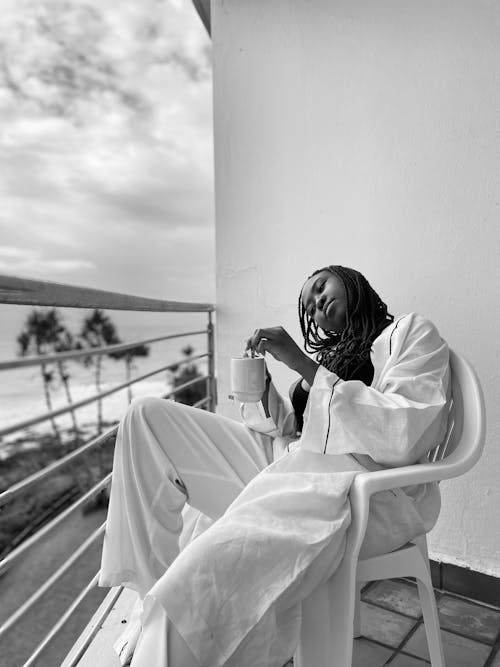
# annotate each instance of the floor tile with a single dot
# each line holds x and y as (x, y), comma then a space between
(399, 596)
(458, 651)
(469, 619)
(366, 653)
(383, 625)
(403, 660)
(496, 660)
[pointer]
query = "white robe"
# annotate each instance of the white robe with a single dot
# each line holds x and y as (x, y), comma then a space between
(234, 592)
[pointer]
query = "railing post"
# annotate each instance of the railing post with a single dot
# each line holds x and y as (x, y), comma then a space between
(211, 387)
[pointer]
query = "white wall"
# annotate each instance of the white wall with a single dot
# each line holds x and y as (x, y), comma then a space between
(367, 134)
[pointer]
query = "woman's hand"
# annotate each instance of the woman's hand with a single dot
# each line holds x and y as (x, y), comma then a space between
(278, 342)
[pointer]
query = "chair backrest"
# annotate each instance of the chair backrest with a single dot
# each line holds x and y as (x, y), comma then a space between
(466, 431)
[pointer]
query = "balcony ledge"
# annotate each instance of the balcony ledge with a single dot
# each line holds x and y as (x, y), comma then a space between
(94, 647)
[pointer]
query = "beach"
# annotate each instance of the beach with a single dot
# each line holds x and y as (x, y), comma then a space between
(22, 392)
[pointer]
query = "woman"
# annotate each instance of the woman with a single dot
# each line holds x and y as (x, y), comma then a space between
(271, 532)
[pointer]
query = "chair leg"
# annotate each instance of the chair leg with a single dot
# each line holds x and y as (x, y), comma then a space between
(431, 621)
(326, 635)
(357, 611)
(428, 603)
(315, 632)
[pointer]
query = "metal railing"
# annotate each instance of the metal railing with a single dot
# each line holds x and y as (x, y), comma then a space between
(19, 291)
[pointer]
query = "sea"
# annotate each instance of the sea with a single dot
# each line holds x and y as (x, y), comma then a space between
(21, 390)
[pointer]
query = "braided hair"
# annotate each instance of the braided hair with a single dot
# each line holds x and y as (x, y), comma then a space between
(348, 351)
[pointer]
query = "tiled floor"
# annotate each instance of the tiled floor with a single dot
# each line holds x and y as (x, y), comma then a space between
(391, 623)
(394, 635)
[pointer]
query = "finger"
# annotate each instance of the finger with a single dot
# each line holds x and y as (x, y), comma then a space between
(260, 334)
(252, 342)
(266, 345)
(261, 346)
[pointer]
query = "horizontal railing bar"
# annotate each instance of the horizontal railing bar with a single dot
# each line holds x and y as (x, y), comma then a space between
(53, 632)
(88, 352)
(185, 385)
(26, 606)
(77, 652)
(30, 528)
(202, 402)
(37, 477)
(28, 292)
(25, 546)
(19, 426)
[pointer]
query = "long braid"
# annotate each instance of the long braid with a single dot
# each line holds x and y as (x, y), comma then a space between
(366, 316)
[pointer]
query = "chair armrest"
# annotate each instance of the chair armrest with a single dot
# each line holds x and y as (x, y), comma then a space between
(418, 473)
(392, 478)
(365, 484)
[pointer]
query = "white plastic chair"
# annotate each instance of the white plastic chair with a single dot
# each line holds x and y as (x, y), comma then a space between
(330, 615)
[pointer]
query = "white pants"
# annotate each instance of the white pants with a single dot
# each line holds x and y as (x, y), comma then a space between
(168, 454)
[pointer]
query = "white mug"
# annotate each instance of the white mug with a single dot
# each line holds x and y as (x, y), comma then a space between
(248, 378)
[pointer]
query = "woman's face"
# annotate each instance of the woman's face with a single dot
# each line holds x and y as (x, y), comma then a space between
(324, 299)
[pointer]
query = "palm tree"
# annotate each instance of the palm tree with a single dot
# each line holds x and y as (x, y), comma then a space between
(189, 371)
(42, 331)
(98, 330)
(128, 357)
(66, 343)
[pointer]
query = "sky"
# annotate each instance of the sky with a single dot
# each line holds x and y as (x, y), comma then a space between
(106, 146)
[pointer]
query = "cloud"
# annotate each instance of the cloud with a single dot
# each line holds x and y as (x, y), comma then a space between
(86, 58)
(30, 263)
(115, 191)
(65, 65)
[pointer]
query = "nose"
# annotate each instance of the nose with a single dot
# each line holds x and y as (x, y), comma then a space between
(320, 302)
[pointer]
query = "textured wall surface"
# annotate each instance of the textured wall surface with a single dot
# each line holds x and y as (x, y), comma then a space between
(366, 134)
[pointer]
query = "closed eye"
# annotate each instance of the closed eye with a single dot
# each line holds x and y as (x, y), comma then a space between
(317, 287)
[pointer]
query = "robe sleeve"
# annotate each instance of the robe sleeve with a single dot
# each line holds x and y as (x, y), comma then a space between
(282, 420)
(398, 419)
